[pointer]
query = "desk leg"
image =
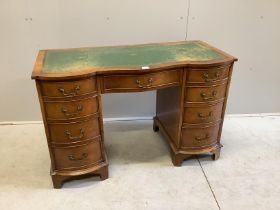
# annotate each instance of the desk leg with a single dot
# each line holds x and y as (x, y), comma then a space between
(155, 126)
(216, 154)
(58, 180)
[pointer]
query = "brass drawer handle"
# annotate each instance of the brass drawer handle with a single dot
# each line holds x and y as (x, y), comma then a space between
(202, 138)
(206, 78)
(67, 114)
(70, 137)
(141, 85)
(73, 158)
(203, 117)
(76, 89)
(211, 97)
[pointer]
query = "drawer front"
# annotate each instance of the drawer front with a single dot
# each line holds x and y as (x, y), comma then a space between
(117, 83)
(71, 109)
(200, 137)
(208, 75)
(205, 94)
(204, 114)
(74, 131)
(77, 157)
(69, 88)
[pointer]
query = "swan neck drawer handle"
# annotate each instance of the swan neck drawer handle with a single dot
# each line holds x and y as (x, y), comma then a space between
(68, 114)
(76, 89)
(211, 97)
(202, 138)
(73, 158)
(201, 116)
(144, 85)
(70, 137)
(206, 78)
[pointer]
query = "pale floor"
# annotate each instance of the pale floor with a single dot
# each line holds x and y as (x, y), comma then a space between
(247, 175)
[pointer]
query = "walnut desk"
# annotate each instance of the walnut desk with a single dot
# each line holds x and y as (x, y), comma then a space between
(191, 78)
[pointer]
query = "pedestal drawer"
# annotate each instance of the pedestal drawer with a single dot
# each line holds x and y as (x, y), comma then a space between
(203, 114)
(200, 137)
(205, 93)
(74, 131)
(117, 83)
(208, 75)
(68, 88)
(72, 158)
(61, 110)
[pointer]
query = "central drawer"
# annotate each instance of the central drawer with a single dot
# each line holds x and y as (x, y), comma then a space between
(131, 83)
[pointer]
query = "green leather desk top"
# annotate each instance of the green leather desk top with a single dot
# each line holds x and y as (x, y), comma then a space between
(58, 63)
(137, 56)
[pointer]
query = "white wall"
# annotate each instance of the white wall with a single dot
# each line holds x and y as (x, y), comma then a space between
(246, 29)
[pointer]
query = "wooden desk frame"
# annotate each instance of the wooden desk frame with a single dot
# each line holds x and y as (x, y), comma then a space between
(191, 102)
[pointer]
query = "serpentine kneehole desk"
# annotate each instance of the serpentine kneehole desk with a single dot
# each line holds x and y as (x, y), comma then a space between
(191, 78)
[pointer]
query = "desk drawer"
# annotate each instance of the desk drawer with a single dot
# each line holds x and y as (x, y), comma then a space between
(205, 93)
(77, 157)
(62, 110)
(208, 75)
(130, 83)
(63, 133)
(203, 114)
(198, 137)
(68, 89)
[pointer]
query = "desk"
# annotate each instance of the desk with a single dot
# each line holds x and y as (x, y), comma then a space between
(191, 78)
